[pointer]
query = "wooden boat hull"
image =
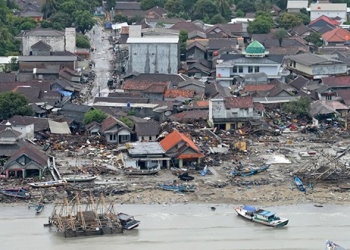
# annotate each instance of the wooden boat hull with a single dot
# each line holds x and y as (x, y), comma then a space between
(48, 184)
(22, 195)
(141, 172)
(299, 184)
(79, 179)
(242, 213)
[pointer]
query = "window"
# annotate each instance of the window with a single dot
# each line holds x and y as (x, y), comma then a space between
(111, 137)
(150, 138)
(123, 138)
(234, 69)
(240, 69)
(256, 69)
(328, 97)
(250, 69)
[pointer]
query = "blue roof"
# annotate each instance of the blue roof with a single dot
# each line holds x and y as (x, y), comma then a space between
(249, 208)
(65, 93)
(267, 213)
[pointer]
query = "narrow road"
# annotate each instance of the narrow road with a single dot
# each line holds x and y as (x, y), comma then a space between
(102, 57)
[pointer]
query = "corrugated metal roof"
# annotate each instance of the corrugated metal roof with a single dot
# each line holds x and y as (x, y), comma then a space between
(328, 6)
(46, 58)
(156, 39)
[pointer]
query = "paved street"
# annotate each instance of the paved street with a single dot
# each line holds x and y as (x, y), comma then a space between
(102, 57)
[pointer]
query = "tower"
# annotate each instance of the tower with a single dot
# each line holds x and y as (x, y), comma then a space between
(70, 39)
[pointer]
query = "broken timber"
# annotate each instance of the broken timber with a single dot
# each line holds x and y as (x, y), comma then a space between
(96, 218)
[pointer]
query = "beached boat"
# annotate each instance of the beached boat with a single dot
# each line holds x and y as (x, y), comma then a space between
(178, 188)
(16, 189)
(20, 193)
(249, 171)
(299, 184)
(80, 178)
(38, 207)
(141, 171)
(261, 216)
(185, 177)
(48, 184)
(333, 246)
(128, 222)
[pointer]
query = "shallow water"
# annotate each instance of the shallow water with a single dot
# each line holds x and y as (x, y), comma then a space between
(190, 226)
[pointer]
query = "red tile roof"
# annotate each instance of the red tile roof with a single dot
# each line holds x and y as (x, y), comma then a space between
(258, 87)
(327, 19)
(174, 138)
(108, 123)
(239, 102)
(146, 86)
(344, 94)
(332, 81)
(201, 104)
(172, 93)
(336, 35)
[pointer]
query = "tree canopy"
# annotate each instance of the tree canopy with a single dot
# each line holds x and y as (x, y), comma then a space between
(60, 14)
(280, 34)
(300, 107)
(12, 103)
(96, 115)
(262, 23)
(82, 42)
(287, 20)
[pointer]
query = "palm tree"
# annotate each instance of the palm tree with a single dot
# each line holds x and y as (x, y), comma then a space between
(49, 7)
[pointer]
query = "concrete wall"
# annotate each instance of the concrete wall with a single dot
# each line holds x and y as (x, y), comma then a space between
(57, 43)
(146, 138)
(269, 70)
(70, 35)
(314, 14)
(153, 58)
(329, 69)
(27, 132)
(195, 54)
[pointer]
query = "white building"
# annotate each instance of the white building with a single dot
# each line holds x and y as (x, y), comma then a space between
(331, 10)
(58, 40)
(294, 6)
(154, 54)
(254, 60)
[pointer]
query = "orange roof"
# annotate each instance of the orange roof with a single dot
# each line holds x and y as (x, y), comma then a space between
(327, 19)
(203, 104)
(336, 35)
(173, 93)
(175, 138)
(258, 87)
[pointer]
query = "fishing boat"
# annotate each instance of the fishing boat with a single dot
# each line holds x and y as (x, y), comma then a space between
(204, 171)
(299, 184)
(16, 189)
(185, 177)
(48, 184)
(178, 188)
(80, 178)
(132, 171)
(249, 171)
(128, 222)
(261, 216)
(38, 207)
(333, 246)
(21, 193)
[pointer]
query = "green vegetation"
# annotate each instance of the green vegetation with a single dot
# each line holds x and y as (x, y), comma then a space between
(183, 40)
(280, 34)
(12, 103)
(262, 23)
(82, 42)
(96, 115)
(60, 14)
(12, 66)
(127, 121)
(298, 108)
(315, 38)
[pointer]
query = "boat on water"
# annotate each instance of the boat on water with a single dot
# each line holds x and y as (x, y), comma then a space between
(299, 184)
(131, 171)
(48, 184)
(128, 221)
(249, 171)
(80, 178)
(20, 193)
(178, 188)
(333, 246)
(38, 207)
(261, 216)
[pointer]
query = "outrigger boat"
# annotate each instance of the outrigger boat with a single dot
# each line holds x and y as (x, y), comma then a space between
(178, 188)
(131, 171)
(17, 193)
(299, 184)
(332, 246)
(48, 184)
(261, 216)
(80, 178)
(240, 171)
(128, 222)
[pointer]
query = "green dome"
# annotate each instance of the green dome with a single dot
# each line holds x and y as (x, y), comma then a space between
(255, 48)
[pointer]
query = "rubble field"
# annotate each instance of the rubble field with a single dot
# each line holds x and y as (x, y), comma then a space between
(321, 161)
